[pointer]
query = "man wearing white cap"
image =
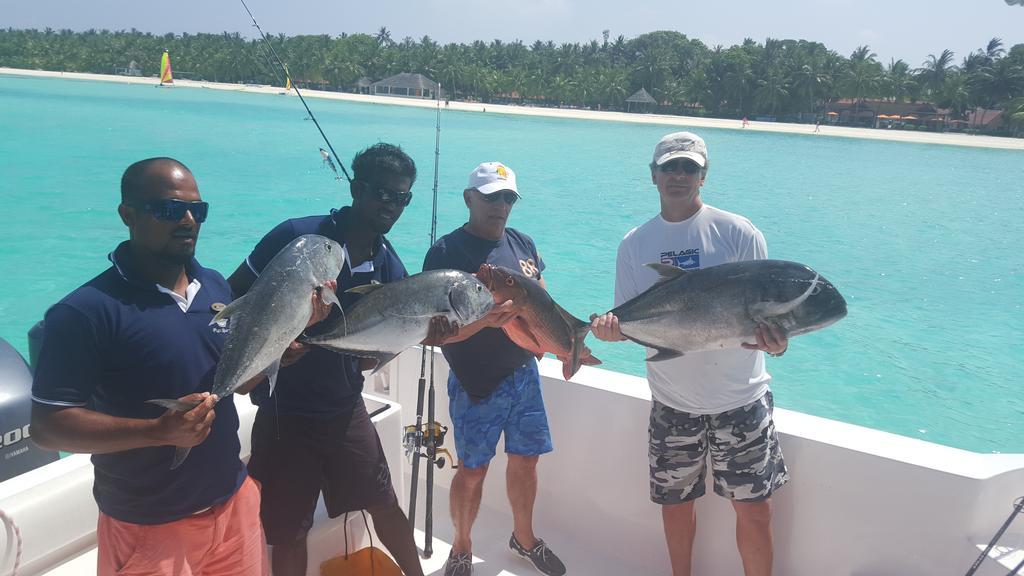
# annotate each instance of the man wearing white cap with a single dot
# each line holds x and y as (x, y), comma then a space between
(494, 386)
(715, 402)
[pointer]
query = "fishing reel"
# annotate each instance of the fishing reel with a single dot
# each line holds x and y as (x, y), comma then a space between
(417, 438)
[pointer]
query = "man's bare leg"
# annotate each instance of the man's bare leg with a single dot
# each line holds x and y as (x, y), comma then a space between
(466, 491)
(680, 521)
(754, 536)
(521, 483)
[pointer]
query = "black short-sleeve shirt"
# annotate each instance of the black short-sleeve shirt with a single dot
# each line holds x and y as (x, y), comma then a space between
(118, 341)
(323, 383)
(482, 361)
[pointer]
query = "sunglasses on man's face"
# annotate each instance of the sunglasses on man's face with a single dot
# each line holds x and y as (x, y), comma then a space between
(388, 196)
(508, 196)
(174, 210)
(679, 166)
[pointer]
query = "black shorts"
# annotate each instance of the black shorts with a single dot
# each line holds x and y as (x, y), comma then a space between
(296, 457)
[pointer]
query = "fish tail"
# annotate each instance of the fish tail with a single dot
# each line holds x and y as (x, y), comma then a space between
(177, 405)
(578, 351)
(179, 456)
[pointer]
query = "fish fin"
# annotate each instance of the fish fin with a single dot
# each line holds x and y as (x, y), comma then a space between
(329, 297)
(590, 360)
(664, 354)
(518, 331)
(665, 271)
(578, 350)
(382, 359)
(179, 456)
(229, 310)
(170, 404)
(271, 372)
(763, 311)
(365, 288)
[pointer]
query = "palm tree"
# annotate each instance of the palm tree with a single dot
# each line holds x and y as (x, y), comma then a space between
(862, 77)
(933, 71)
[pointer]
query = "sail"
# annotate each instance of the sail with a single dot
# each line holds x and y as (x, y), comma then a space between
(165, 69)
(288, 83)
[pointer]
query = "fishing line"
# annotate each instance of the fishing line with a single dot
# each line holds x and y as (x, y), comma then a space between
(297, 91)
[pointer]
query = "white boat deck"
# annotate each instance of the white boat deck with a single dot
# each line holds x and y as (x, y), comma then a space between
(860, 503)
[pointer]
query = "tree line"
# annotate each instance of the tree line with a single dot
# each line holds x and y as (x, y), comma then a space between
(793, 80)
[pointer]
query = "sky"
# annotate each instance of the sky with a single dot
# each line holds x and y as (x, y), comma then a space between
(901, 29)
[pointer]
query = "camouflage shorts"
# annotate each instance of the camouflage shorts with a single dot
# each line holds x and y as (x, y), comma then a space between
(746, 460)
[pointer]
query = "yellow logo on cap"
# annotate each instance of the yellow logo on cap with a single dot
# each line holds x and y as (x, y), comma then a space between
(502, 172)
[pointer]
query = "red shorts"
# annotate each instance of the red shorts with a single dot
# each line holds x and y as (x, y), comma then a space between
(226, 540)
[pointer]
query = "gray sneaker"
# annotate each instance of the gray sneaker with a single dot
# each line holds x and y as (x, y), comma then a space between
(459, 564)
(543, 559)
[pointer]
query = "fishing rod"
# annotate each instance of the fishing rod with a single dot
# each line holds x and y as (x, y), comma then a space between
(297, 92)
(1018, 506)
(426, 442)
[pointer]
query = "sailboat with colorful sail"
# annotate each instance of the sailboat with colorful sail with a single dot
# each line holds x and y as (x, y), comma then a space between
(166, 78)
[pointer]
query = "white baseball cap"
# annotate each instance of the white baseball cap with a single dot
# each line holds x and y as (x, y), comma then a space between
(491, 177)
(681, 145)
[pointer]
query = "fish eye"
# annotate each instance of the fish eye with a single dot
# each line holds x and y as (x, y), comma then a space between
(509, 281)
(816, 289)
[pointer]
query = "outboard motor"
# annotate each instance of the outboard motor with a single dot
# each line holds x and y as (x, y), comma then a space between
(17, 453)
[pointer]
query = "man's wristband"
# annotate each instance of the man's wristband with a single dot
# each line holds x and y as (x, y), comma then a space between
(779, 354)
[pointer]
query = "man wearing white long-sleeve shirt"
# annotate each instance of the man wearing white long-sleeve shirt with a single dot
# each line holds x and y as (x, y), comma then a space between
(712, 402)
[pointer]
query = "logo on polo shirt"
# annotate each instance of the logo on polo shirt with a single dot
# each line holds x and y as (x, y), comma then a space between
(220, 326)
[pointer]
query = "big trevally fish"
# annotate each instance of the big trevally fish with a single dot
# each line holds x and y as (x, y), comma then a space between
(719, 307)
(541, 325)
(391, 317)
(270, 316)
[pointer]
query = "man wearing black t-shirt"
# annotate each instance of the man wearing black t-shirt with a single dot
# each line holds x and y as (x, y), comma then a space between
(314, 435)
(494, 386)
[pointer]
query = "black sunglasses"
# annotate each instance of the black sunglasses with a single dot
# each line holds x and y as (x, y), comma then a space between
(174, 210)
(677, 166)
(389, 196)
(508, 196)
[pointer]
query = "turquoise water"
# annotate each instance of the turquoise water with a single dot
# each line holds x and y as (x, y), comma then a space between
(924, 241)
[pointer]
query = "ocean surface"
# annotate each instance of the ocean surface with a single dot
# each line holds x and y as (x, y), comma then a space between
(925, 241)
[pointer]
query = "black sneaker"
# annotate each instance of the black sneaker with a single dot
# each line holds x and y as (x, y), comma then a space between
(459, 564)
(543, 559)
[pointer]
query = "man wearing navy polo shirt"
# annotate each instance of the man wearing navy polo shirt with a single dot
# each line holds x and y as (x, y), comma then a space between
(315, 435)
(494, 386)
(138, 331)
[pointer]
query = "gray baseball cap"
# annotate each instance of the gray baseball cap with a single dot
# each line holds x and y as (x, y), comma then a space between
(681, 145)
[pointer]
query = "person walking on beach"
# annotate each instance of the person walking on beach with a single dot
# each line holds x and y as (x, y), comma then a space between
(713, 404)
(745, 122)
(315, 435)
(138, 331)
(493, 386)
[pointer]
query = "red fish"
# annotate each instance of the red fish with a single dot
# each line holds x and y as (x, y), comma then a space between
(541, 325)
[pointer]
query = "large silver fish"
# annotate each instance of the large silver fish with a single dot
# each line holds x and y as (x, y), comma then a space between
(719, 307)
(270, 316)
(391, 317)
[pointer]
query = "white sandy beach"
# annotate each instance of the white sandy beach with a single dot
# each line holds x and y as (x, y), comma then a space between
(681, 121)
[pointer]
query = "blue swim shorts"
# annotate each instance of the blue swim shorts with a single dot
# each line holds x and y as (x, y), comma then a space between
(515, 408)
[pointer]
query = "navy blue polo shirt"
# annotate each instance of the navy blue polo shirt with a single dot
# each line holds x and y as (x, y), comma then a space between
(323, 383)
(118, 341)
(483, 360)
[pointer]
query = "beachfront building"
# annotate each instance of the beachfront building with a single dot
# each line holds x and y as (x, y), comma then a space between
(889, 114)
(407, 85)
(362, 85)
(640, 101)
